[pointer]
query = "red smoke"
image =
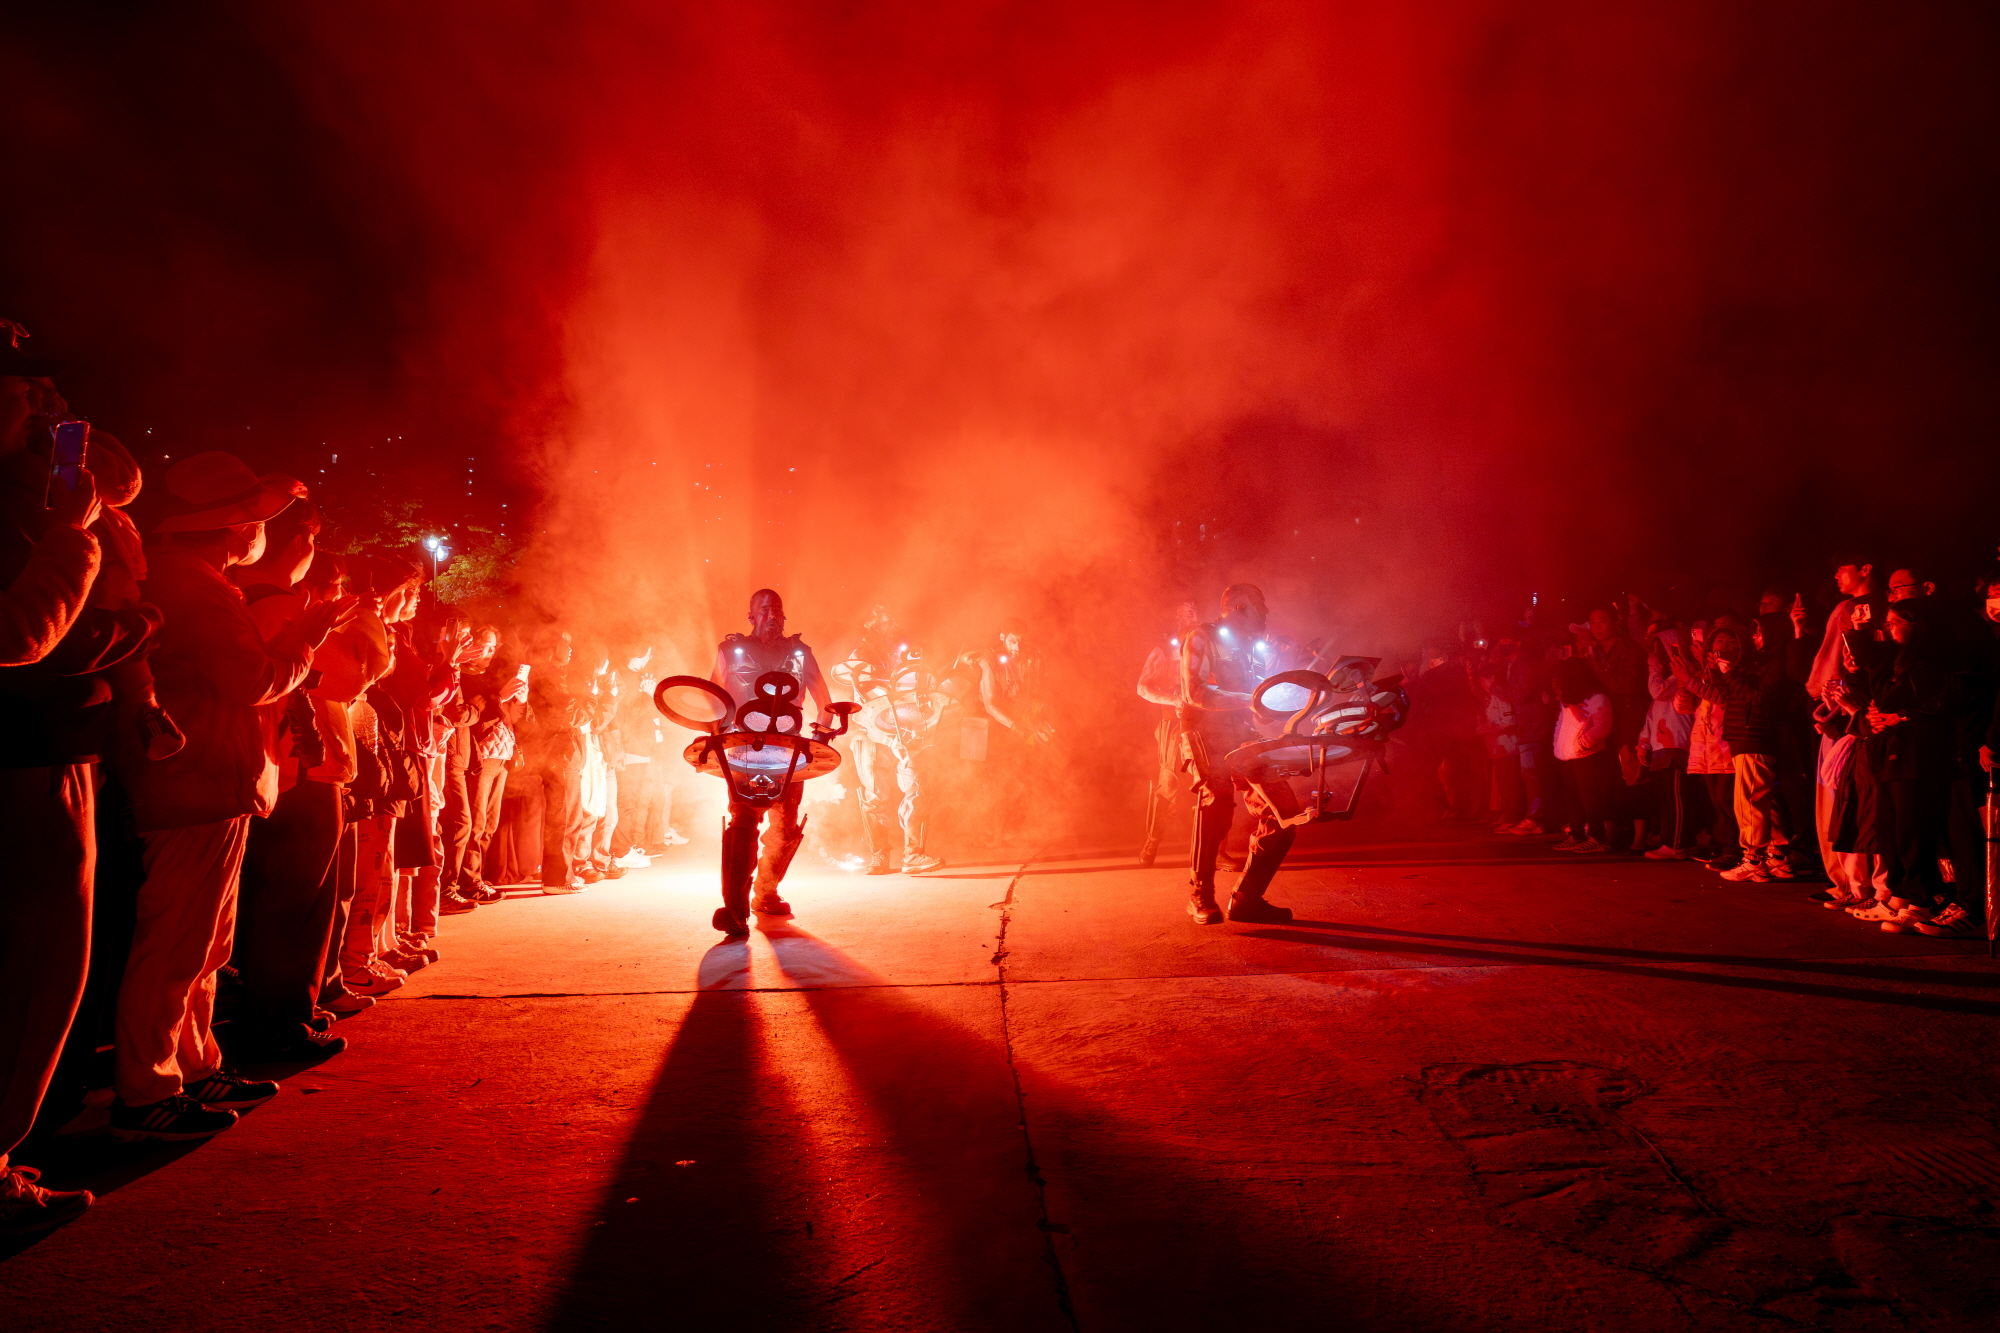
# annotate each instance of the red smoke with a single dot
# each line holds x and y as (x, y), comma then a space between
(1534, 294)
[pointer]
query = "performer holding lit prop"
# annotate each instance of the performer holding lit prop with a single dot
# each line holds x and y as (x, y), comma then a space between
(1324, 724)
(753, 739)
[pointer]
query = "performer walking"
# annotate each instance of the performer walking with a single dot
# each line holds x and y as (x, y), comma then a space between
(1160, 684)
(1220, 668)
(900, 707)
(739, 661)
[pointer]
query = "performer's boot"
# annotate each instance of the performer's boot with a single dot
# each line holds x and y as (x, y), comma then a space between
(1150, 851)
(1201, 906)
(766, 902)
(739, 848)
(1253, 908)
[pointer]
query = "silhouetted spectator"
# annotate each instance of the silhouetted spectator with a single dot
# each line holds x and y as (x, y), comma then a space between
(212, 669)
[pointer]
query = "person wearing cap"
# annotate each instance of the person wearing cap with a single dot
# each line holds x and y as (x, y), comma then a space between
(55, 715)
(212, 669)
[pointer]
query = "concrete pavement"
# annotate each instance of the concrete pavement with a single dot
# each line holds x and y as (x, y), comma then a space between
(1476, 1085)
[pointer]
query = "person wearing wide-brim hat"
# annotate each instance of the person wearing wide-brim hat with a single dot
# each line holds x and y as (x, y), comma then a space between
(211, 669)
(216, 490)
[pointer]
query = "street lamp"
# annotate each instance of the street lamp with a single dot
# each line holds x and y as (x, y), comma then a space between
(438, 553)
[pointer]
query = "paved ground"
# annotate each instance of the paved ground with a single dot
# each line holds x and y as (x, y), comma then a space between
(1475, 1086)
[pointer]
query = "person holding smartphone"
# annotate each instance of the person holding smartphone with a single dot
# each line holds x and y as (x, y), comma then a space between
(55, 723)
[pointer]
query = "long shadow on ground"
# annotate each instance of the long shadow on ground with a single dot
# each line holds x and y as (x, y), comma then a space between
(941, 1222)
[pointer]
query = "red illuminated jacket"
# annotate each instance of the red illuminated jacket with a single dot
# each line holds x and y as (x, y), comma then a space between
(211, 669)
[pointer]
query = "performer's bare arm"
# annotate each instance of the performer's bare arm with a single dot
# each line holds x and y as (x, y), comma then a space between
(1157, 669)
(1198, 668)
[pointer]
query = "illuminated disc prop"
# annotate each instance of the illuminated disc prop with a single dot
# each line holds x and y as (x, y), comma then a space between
(889, 719)
(1284, 694)
(694, 703)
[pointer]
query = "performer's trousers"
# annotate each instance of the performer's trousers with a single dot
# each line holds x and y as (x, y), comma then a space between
(285, 914)
(783, 832)
(46, 824)
(1215, 805)
(883, 771)
(187, 922)
(1166, 778)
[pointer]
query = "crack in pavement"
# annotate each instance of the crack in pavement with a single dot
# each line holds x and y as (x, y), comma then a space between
(1033, 1168)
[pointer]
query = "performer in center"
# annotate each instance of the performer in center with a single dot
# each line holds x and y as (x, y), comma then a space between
(1221, 664)
(740, 660)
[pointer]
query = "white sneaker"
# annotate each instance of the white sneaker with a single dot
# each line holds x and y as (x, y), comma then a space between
(1665, 853)
(634, 860)
(675, 839)
(369, 983)
(1746, 869)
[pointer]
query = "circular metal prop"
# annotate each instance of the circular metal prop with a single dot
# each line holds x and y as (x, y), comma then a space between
(760, 766)
(903, 716)
(694, 703)
(778, 687)
(1289, 756)
(1284, 694)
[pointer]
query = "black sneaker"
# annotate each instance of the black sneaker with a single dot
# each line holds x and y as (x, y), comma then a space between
(179, 1119)
(450, 904)
(229, 1091)
(310, 1044)
(26, 1207)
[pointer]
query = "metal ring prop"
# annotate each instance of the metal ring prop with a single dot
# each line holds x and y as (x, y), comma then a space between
(1298, 694)
(774, 706)
(709, 695)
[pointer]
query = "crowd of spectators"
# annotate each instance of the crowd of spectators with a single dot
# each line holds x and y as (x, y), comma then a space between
(245, 776)
(1845, 747)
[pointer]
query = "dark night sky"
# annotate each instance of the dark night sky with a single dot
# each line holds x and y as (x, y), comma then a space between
(1562, 294)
